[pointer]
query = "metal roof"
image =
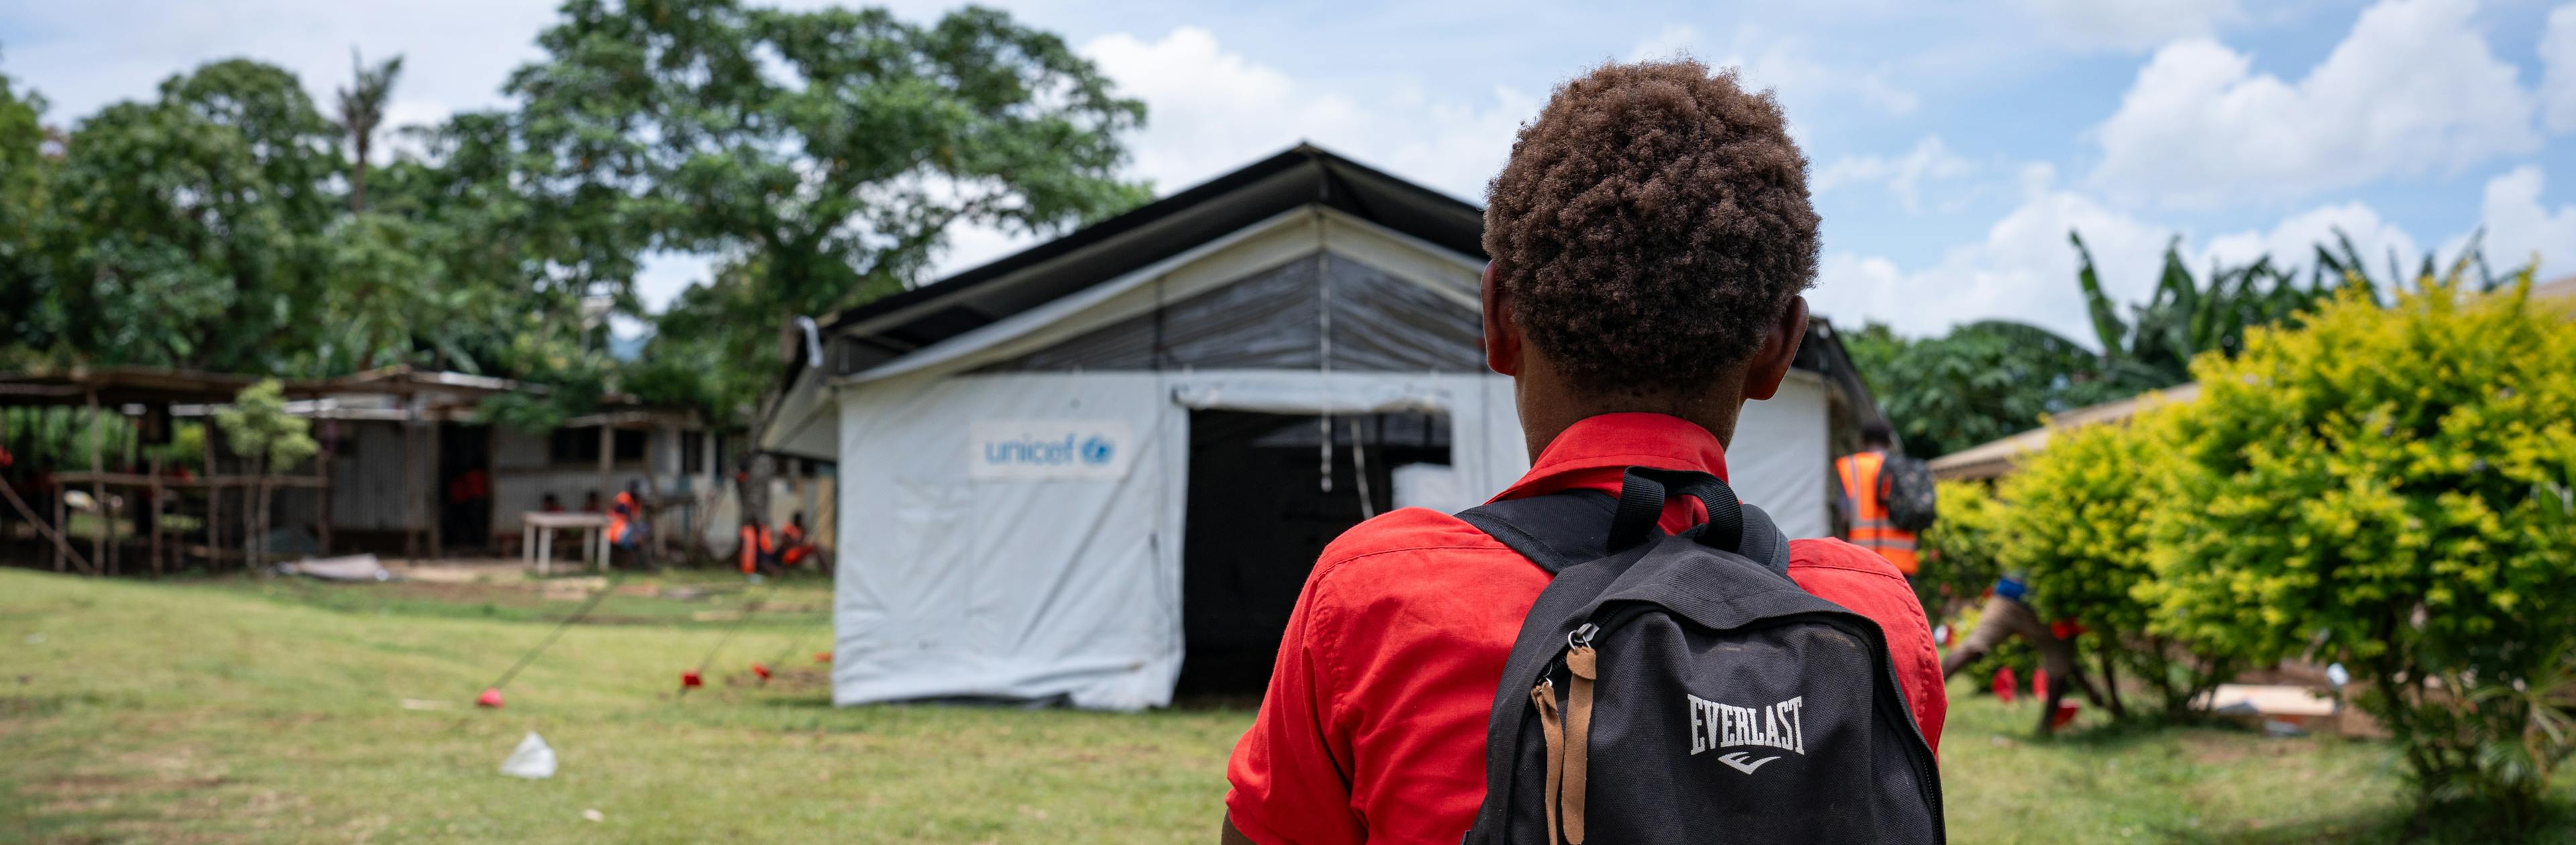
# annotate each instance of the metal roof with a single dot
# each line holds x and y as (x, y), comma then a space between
(893, 326)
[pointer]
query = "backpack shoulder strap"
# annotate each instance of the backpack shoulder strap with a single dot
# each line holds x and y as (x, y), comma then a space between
(1555, 531)
(1559, 530)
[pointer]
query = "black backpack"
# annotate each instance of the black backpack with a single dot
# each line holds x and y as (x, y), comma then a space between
(1664, 687)
(1906, 490)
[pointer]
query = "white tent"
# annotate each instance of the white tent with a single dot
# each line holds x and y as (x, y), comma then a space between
(1067, 473)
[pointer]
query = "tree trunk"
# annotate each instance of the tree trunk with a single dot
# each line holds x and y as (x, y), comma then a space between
(2111, 683)
(358, 174)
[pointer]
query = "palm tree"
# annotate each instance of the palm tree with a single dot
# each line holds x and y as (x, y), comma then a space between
(362, 112)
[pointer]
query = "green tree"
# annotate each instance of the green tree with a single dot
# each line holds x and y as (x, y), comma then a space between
(25, 170)
(1982, 381)
(2185, 318)
(187, 231)
(824, 153)
(257, 427)
(2389, 487)
(362, 112)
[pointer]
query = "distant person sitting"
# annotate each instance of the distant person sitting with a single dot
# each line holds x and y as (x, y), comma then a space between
(590, 502)
(550, 504)
(798, 548)
(759, 552)
(2008, 614)
(626, 528)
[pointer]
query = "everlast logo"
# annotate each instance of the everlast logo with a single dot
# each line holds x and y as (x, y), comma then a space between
(1715, 725)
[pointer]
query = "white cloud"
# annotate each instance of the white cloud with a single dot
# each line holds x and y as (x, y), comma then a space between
(2132, 24)
(2023, 269)
(2520, 228)
(2293, 242)
(2411, 89)
(1212, 110)
(2558, 69)
(1929, 161)
(1770, 60)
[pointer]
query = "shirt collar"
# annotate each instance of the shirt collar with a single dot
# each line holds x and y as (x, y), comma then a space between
(1591, 452)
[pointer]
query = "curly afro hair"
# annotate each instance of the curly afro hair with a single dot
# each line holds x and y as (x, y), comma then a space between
(1651, 224)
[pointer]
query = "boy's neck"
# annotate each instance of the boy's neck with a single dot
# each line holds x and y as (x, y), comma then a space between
(1550, 404)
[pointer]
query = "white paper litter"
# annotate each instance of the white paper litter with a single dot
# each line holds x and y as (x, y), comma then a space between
(534, 759)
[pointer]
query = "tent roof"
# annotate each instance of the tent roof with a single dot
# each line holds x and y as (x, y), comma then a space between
(893, 326)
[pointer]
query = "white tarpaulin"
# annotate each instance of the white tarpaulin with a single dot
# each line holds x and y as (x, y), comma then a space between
(1037, 586)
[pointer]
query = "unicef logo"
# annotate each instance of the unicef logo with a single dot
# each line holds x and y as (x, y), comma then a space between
(1073, 450)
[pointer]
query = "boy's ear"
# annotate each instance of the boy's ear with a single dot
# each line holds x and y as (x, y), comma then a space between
(1502, 338)
(1779, 349)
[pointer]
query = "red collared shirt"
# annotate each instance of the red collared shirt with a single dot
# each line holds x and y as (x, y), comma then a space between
(1373, 729)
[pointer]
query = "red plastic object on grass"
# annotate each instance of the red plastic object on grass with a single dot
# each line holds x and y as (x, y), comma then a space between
(762, 671)
(491, 698)
(2005, 682)
(690, 679)
(2065, 713)
(822, 657)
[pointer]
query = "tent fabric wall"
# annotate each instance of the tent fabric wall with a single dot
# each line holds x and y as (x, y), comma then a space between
(951, 586)
(1782, 459)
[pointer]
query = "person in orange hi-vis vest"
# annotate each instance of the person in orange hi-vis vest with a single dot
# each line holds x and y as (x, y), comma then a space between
(759, 546)
(1870, 528)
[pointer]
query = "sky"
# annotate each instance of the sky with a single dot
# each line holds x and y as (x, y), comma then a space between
(1952, 146)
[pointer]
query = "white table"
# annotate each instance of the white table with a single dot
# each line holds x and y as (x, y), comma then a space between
(537, 537)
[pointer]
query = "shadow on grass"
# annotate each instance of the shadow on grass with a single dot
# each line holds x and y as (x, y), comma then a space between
(2453, 826)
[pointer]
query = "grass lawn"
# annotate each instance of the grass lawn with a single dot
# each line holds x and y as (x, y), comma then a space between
(249, 710)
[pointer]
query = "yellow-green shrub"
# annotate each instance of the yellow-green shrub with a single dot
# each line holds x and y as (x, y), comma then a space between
(2077, 530)
(2390, 487)
(1959, 559)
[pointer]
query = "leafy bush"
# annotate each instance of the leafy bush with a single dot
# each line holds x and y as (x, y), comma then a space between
(2078, 531)
(1959, 559)
(2390, 488)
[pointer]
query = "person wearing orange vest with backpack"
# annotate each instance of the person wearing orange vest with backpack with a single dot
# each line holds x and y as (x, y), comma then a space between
(1887, 498)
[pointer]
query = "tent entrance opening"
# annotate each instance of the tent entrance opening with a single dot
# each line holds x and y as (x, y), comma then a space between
(1260, 511)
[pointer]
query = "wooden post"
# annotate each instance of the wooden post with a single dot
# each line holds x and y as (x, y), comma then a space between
(411, 491)
(491, 486)
(154, 502)
(437, 493)
(98, 492)
(62, 547)
(322, 504)
(214, 494)
(607, 442)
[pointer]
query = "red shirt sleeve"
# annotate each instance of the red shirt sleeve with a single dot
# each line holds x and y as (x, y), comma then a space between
(1374, 725)
(1864, 583)
(1290, 780)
